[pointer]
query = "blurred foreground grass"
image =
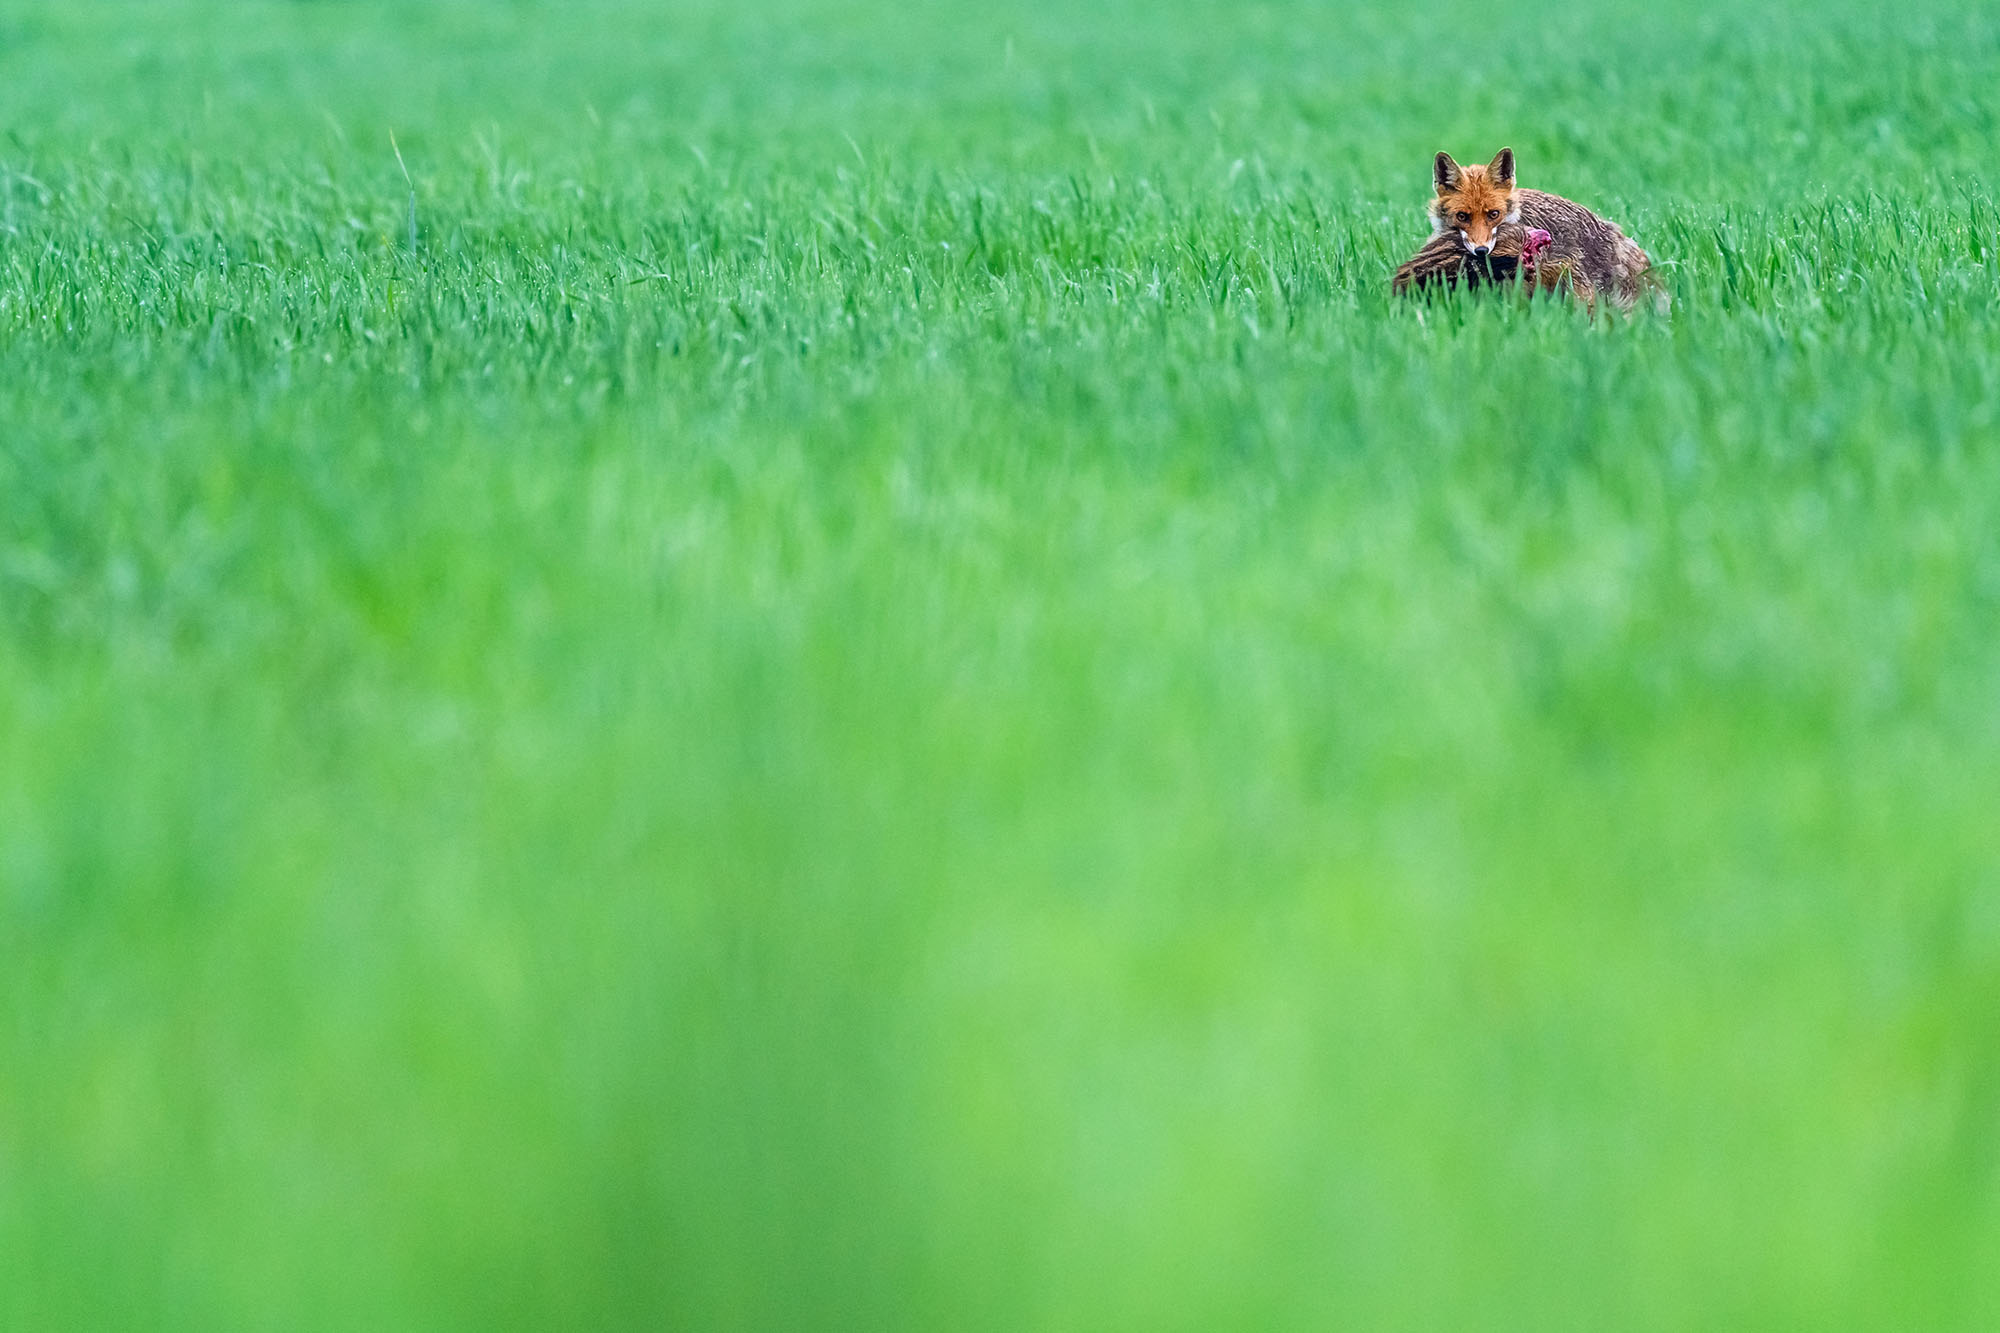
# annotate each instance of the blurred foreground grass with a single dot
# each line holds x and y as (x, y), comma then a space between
(879, 687)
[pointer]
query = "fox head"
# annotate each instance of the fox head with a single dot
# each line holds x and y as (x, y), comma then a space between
(1474, 201)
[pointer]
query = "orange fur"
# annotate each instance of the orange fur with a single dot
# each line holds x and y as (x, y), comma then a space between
(1474, 201)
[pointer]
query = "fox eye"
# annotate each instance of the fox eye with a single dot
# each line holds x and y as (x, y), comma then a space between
(1465, 217)
(1492, 215)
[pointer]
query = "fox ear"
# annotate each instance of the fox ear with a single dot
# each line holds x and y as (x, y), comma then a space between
(1502, 170)
(1444, 172)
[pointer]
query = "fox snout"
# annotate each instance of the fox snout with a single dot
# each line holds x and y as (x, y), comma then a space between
(1481, 231)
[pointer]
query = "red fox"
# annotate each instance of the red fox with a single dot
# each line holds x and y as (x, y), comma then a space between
(1586, 253)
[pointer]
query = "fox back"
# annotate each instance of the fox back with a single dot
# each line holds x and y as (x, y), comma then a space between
(1604, 258)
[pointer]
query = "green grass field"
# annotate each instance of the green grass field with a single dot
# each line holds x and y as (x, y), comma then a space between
(847, 670)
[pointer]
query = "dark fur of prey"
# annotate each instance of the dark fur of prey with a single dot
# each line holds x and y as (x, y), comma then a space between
(1445, 262)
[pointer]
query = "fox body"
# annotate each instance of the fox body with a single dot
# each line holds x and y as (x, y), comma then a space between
(1473, 204)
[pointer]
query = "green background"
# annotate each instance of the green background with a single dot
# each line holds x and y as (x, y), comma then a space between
(878, 685)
